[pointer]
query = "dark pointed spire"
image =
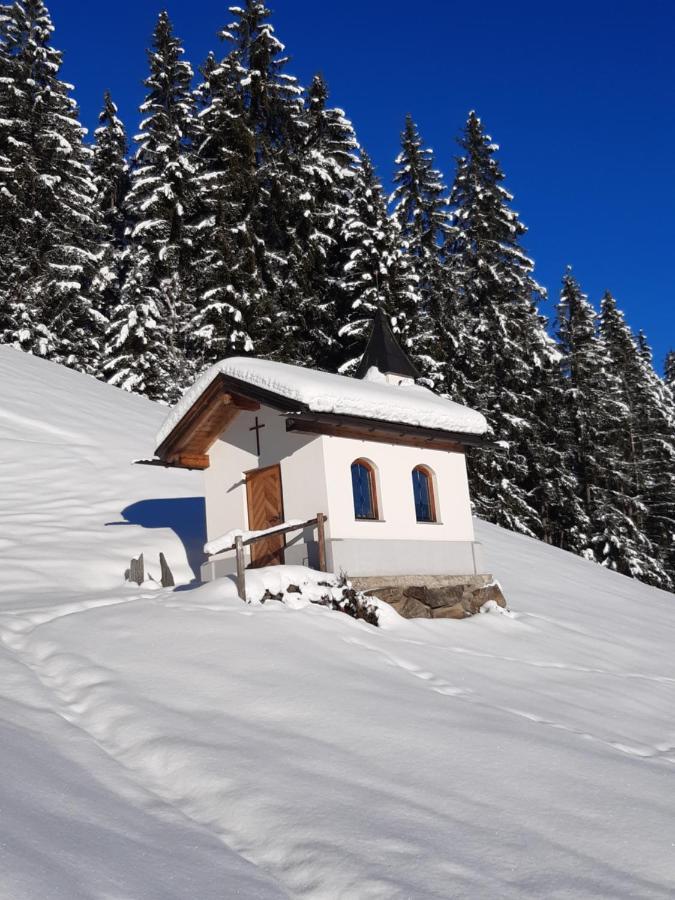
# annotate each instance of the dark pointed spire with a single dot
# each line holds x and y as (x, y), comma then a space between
(384, 352)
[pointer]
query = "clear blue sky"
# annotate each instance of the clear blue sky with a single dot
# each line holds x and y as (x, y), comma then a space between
(580, 96)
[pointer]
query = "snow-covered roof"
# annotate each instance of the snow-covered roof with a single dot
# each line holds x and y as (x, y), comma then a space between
(323, 392)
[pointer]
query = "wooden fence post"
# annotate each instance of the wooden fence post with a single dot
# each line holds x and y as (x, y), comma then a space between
(321, 534)
(137, 570)
(241, 566)
(166, 577)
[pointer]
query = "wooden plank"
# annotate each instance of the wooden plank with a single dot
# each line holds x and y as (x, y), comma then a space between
(193, 460)
(242, 402)
(285, 530)
(137, 570)
(166, 574)
(372, 433)
(165, 464)
(265, 509)
(370, 426)
(241, 567)
(205, 430)
(205, 421)
(321, 537)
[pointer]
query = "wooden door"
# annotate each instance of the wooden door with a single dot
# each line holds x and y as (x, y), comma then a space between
(265, 509)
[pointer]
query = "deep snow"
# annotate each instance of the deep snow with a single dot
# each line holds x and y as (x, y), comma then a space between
(178, 744)
(325, 392)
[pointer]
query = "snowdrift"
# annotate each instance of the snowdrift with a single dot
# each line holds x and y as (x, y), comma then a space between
(371, 397)
(177, 744)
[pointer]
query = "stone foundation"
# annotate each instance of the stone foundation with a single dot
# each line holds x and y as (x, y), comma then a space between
(433, 596)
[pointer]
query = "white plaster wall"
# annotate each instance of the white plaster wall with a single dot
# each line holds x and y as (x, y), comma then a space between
(301, 459)
(316, 477)
(394, 465)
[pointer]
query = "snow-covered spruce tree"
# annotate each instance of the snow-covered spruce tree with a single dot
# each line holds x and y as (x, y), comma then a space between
(645, 447)
(157, 292)
(138, 356)
(669, 368)
(328, 174)
(274, 116)
(599, 418)
(420, 214)
(550, 484)
(19, 323)
(11, 200)
(501, 358)
(110, 172)
(110, 169)
(49, 244)
(230, 314)
(376, 272)
(659, 427)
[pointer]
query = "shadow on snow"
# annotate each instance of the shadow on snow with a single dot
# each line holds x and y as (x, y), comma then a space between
(185, 516)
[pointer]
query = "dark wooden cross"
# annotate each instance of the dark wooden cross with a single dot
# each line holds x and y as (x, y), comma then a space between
(257, 428)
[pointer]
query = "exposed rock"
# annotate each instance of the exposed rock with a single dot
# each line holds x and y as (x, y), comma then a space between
(438, 597)
(416, 591)
(410, 608)
(389, 594)
(480, 596)
(444, 596)
(457, 611)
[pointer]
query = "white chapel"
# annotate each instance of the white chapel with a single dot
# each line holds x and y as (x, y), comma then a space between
(379, 456)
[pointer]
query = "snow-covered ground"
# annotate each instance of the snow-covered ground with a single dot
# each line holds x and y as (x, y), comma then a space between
(179, 744)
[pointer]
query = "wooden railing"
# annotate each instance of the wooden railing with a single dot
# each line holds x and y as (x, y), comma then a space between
(240, 543)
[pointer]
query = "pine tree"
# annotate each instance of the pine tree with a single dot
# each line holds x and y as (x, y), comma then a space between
(600, 419)
(418, 197)
(110, 169)
(110, 172)
(328, 174)
(376, 273)
(274, 116)
(230, 311)
(669, 368)
(157, 294)
(420, 214)
(658, 427)
(138, 335)
(49, 245)
(645, 447)
(500, 358)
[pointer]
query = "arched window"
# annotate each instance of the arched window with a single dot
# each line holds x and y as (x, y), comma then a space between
(423, 492)
(365, 490)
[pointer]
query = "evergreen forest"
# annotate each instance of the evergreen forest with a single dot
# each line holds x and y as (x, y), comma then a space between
(245, 218)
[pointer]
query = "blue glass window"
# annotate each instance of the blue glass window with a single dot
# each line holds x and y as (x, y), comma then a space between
(363, 486)
(423, 493)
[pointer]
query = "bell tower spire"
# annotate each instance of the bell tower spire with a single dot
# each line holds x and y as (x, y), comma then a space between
(384, 353)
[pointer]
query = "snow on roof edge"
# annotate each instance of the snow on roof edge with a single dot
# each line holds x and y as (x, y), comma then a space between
(325, 392)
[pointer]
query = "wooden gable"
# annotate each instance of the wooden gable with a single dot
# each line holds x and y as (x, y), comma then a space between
(188, 444)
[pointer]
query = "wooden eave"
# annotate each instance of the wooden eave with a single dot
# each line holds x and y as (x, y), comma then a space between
(361, 428)
(188, 443)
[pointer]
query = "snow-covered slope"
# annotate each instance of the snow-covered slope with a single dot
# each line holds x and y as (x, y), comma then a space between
(179, 744)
